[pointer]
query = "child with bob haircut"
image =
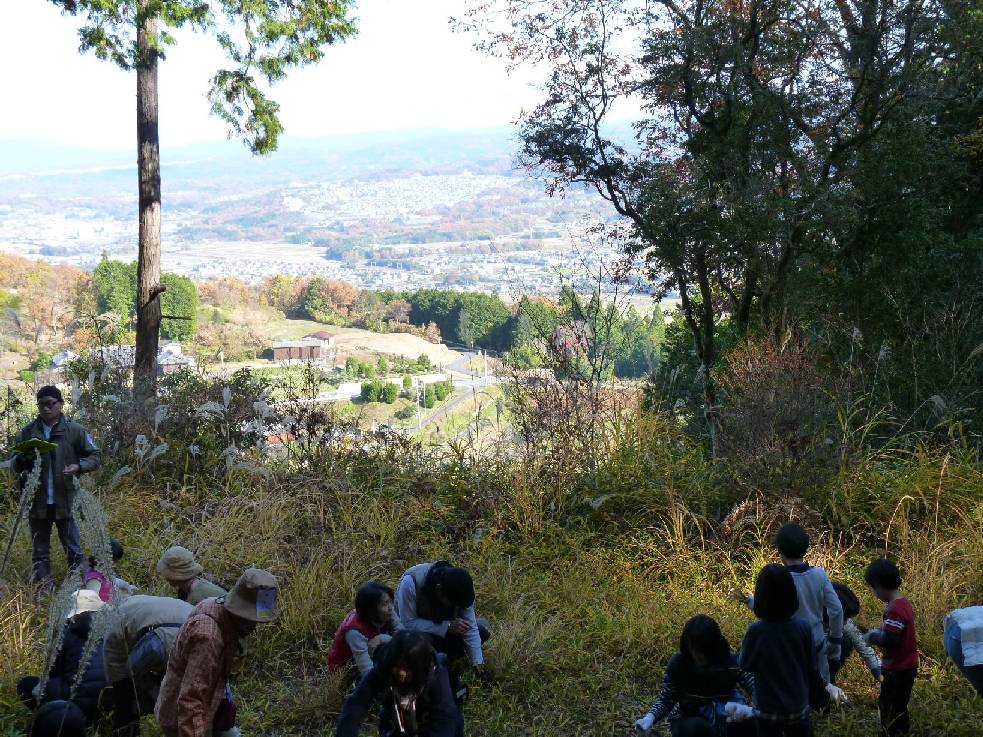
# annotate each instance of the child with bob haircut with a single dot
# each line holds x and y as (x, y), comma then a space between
(371, 623)
(411, 683)
(896, 638)
(778, 650)
(699, 680)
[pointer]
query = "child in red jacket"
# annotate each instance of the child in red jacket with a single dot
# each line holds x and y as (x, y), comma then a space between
(896, 638)
(372, 622)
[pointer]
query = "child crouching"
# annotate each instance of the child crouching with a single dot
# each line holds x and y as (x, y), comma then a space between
(372, 622)
(699, 680)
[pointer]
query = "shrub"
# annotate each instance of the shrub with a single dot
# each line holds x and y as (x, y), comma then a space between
(775, 415)
(41, 361)
(371, 391)
(389, 393)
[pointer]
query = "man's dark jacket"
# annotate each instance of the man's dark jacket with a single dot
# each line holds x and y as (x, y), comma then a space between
(74, 446)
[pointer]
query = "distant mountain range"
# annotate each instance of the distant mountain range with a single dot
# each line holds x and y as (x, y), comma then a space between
(426, 150)
(359, 156)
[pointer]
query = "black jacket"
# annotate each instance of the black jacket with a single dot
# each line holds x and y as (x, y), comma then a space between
(91, 695)
(782, 657)
(437, 714)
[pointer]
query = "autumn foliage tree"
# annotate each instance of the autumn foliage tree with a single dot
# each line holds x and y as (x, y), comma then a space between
(758, 119)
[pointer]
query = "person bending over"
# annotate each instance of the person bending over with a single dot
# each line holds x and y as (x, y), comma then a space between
(437, 599)
(699, 680)
(411, 683)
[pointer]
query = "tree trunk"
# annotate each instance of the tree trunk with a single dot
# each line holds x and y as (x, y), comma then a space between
(148, 171)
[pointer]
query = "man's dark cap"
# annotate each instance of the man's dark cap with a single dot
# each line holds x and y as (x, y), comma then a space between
(50, 391)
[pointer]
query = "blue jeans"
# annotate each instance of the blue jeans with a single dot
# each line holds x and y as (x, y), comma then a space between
(952, 640)
(147, 664)
(137, 693)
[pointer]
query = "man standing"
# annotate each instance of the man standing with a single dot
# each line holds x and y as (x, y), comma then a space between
(198, 670)
(75, 453)
(437, 599)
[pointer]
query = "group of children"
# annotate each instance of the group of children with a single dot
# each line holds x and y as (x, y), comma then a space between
(403, 646)
(790, 656)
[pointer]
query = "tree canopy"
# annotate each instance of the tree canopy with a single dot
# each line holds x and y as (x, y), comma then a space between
(115, 286)
(261, 39)
(795, 165)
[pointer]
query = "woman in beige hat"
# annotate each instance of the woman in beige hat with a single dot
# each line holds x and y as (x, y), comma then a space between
(179, 567)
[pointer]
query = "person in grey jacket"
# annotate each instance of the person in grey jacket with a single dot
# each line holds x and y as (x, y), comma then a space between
(819, 606)
(853, 638)
(75, 453)
(437, 599)
(136, 650)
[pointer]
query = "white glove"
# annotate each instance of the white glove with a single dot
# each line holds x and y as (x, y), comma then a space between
(738, 712)
(645, 723)
(836, 694)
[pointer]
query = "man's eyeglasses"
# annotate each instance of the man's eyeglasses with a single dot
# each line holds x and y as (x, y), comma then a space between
(48, 405)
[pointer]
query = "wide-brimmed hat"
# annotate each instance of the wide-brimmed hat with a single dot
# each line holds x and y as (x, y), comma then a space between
(84, 600)
(178, 564)
(254, 597)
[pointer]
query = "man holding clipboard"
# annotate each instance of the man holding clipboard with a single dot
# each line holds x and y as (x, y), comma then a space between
(66, 451)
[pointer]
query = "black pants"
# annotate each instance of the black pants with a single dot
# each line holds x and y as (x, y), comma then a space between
(126, 709)
(25, 690)
(687, 726)
(974, 673)
(800, 728)
(836, 665)
(453, 646)
(893, 701)
(68, 534)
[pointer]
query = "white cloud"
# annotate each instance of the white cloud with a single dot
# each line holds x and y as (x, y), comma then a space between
(405, 69)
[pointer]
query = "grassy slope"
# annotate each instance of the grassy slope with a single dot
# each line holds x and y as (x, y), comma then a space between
(584, 614)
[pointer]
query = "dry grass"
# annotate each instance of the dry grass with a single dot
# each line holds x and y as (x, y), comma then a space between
(586, 601)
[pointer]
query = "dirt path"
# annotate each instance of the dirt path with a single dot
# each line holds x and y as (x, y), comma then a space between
(402, 344)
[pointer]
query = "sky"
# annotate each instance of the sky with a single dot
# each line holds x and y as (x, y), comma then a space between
(405, 69)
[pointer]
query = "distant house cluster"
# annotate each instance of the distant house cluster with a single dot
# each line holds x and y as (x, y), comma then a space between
(170, 358)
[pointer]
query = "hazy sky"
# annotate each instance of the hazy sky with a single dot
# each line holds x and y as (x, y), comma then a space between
(404, 69)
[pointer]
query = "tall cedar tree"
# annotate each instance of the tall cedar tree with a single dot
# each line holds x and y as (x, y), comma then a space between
(262, 40)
